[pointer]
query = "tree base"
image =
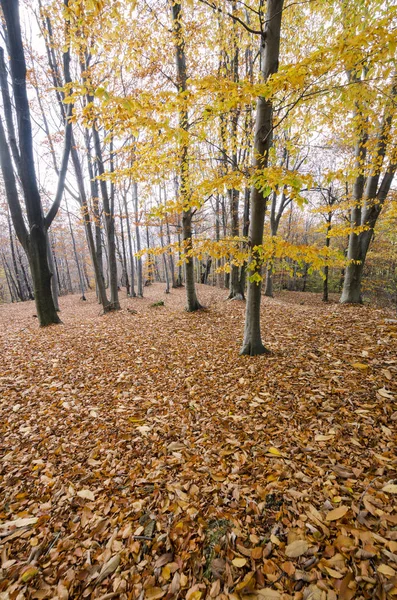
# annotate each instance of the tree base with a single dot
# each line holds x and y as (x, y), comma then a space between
(254, 349)
(351, 300)
(237, 296)
(194, 308)
(55, 321)
(111, 308)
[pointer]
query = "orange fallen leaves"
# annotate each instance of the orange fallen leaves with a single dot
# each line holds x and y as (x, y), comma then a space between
(141, 457)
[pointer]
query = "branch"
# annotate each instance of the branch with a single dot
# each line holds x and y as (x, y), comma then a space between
(232, 16)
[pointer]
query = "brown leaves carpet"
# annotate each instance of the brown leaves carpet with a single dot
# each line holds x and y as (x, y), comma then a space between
(142, 457)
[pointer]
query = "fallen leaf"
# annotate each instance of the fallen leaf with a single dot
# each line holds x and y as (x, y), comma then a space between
(323, 438)
(109, 567)
(239, 562)
(390, 488)
(268, 594)
(297, 548)
(28, 574)
(274, 451)
(153, 593)
(386, 570)
(86, 494)
(361, 366)
(24, 522)
(337, 513)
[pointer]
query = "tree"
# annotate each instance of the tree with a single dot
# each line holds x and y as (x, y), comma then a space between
(270, 51)
(33, 239)
(369, 191)
(192, 301)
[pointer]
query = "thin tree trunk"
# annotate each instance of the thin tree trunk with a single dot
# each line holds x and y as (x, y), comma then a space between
(326, 268)
(236, 291)
(192, 300)
(14, 260)
(9, 285)
(76, 257)
(169, 253)
(130, 251)
(108, 205)
(25, 275)
(54, 282)
(246, 223)
(98, 271)
(124, 254)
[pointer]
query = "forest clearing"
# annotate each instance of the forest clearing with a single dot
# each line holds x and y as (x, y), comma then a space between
(141, 457)
(198, 293)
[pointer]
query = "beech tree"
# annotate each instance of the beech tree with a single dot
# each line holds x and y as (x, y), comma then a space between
(270, 51)
(371, 186)
(18, 168)
(184, 189)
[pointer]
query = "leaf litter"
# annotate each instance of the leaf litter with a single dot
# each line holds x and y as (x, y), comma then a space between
(141, 457)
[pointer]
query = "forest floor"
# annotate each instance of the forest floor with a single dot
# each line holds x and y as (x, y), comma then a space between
(142, 457)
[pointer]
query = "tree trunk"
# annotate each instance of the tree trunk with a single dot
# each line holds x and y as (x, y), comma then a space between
(270, 50)
(124, 254)
(246, 223)
(236, 291)
(25, 275)
(139, 272)
(98, 267)
(369, 195)
(34, 240)
(108, 205)
(192, 300)
(130, 251)
(14, 260)
(54, 282)
(326, 268)
(76, 257)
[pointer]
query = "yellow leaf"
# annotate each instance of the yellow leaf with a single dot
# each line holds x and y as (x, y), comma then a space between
(152, 593)
(166, 573)
(274, 451)
(248, 581)
(239, 562)
(360, 366)
(337, 513)
(28, 574)
(386, 570)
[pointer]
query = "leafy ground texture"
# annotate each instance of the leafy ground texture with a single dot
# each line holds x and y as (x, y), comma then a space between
(141, 457)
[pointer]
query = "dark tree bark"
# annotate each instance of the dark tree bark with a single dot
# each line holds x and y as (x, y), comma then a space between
(270, 50)
(192, 301)
(108, 206)
(34, 240)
